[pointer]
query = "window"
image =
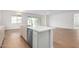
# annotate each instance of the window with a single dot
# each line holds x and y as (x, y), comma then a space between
(16, 19)
(33, 21)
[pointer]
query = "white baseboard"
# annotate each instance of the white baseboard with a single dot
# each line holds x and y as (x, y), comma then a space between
(10, 28)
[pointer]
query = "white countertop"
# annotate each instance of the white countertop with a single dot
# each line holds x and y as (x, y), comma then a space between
(75, 27)
(44, 28)
(40, 28)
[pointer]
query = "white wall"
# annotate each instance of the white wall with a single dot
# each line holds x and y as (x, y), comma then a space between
(6, 19)
(42, 18)
(6, 15)
(0, 20)
(76, 20)
(61, 20)
(1, 17)
(58, 20)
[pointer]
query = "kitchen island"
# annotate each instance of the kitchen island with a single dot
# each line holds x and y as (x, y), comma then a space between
(40, 36)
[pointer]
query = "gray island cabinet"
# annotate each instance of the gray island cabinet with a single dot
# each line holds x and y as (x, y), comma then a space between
(40, 36)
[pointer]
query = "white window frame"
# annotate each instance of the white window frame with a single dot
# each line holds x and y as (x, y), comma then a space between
(18, 19)
(30, 21)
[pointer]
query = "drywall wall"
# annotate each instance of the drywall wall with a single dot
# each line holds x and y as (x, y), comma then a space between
(61, 20)
(6, 16)
(44, 20)
(41, 18)
(7, 19)
(76, 20)
(1, 17)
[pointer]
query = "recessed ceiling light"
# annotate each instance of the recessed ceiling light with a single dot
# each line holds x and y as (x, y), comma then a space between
(18, 13)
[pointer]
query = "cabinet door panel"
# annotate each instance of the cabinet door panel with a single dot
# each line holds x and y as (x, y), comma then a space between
(43, 41)
(35, 35)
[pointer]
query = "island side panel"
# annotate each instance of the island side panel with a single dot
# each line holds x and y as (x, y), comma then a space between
(35, 36)
(51, 38)
(43, 39)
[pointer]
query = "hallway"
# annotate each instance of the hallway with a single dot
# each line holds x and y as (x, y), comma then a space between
(13, 39)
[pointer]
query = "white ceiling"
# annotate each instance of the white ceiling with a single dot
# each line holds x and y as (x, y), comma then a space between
(48, 12)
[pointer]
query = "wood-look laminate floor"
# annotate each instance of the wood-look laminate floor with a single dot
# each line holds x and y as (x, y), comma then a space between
(66, 38)
(13, 39)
